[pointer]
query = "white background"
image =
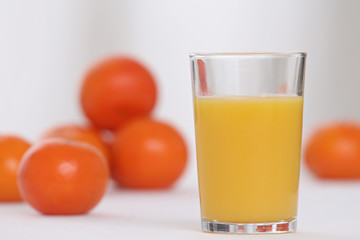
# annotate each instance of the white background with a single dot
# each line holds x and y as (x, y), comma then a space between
(47, 46)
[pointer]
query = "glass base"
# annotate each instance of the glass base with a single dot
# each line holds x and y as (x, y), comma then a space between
(284, 226)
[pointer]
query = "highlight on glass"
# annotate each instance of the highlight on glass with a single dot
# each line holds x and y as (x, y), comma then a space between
(248, 111)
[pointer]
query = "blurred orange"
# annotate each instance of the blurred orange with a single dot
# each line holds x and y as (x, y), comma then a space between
(148, 154)
(11, 151)
(116, 90)
(61, 177)
(334, 151)
(82, 134)
(107, 136)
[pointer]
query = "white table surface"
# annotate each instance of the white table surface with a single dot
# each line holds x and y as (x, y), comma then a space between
(327, 210)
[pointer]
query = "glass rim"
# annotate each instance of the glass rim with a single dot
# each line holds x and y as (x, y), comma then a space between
(247, 54)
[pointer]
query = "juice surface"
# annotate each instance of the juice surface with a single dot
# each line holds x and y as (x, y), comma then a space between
(248, 153)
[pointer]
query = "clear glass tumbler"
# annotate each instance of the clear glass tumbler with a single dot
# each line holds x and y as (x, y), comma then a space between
(248, 124)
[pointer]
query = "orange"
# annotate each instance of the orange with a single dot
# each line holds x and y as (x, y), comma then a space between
(81, 134)
(148, 154)
(117, 90)
(63, 177)
(334, 151)
(107, 136)
(12, 149)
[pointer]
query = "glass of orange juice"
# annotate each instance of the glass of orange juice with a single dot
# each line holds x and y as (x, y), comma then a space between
(248, 111)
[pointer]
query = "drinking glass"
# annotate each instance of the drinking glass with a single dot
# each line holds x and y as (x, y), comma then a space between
(248, 124)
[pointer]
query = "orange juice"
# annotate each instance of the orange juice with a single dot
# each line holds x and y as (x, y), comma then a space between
(248, 153)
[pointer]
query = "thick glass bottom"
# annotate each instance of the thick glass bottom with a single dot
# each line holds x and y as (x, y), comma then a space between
(284, 226)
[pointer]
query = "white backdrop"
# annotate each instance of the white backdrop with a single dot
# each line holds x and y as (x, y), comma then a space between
(46, 47)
